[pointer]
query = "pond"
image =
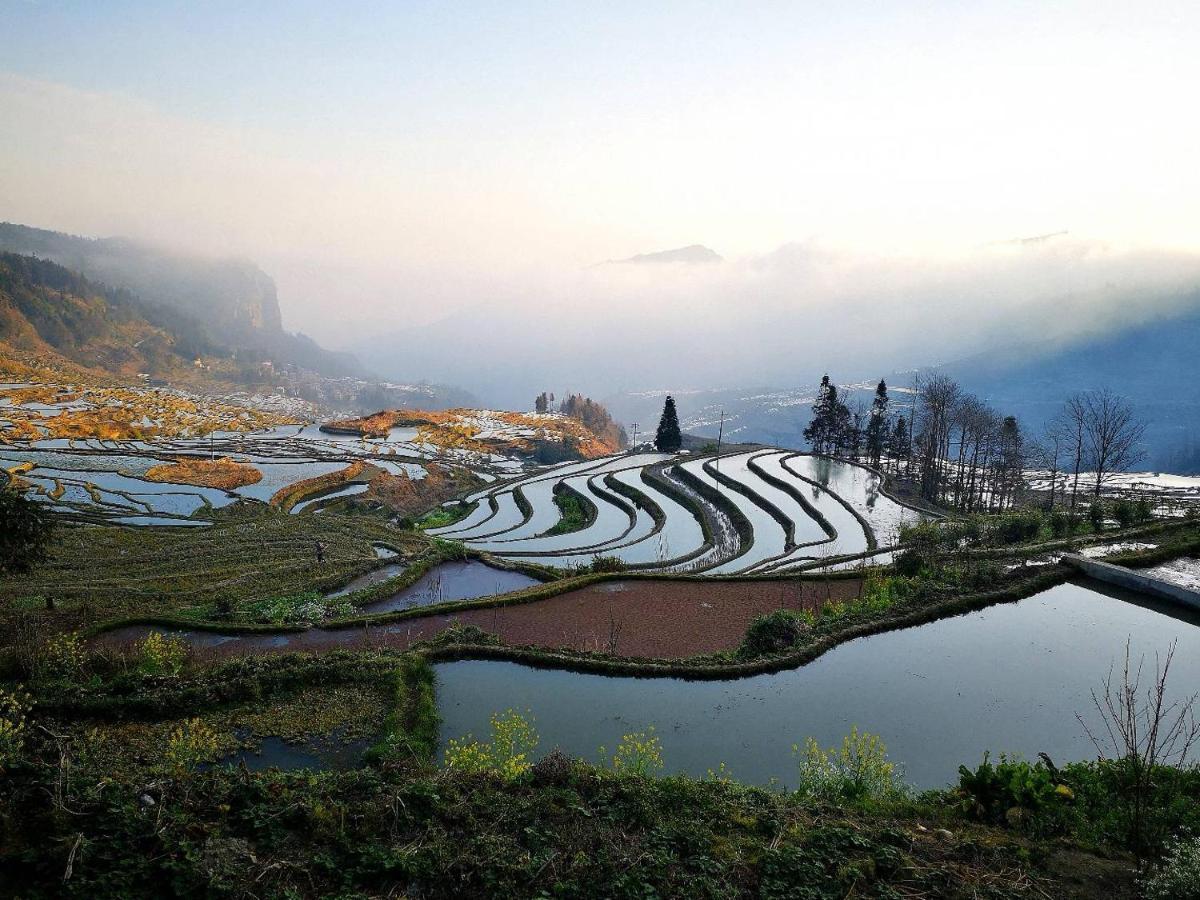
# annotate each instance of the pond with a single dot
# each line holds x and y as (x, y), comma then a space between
(323, 753)
(1009, 678)
(459, 580)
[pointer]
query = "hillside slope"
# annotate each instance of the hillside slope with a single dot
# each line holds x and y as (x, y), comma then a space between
(48, 310)
(235, 299)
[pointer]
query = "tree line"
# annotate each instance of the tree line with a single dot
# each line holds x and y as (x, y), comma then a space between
(593, 415)
(961, 453)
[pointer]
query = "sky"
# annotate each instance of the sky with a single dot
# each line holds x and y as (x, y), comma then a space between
(397, 165)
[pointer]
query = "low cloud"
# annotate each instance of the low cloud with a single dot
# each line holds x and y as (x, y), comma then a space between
(783, 317)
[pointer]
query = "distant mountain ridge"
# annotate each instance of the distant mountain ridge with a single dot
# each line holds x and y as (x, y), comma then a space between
(693, 253)
(1156, 365)
(233, 300)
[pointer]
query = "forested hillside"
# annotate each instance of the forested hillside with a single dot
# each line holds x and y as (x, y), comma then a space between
(47, 309)
(234, 299)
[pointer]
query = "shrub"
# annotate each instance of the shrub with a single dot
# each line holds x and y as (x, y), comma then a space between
(858, 770)
(1123, 511)
(1018, 526)
(1177, 877)
(507, 755)
(607, 564)
(1012, 790)
(190, 743)
(1060, 523)
(456, 633)
(14, 706)
(1143, 510)
(638, 753)
(298, 609)
(775, 632)
(159, 654)
(61, 658)
(553, 768)
(1097, 513)
(910, 563)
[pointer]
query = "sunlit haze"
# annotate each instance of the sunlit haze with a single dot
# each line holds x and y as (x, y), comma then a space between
(393, 164)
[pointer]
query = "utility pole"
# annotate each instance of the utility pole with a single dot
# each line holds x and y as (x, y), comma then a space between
(720, 436)
(633, 441)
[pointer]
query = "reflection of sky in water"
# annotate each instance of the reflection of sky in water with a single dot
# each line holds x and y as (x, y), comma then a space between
(1009, 678)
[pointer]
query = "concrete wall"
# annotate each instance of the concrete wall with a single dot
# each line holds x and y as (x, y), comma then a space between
(1134, 580)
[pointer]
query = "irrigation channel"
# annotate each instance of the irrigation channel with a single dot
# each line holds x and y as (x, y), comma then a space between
(1010, 678)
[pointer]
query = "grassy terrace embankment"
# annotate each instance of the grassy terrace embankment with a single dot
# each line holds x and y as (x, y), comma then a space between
(517, 629)
(135, 812)
(219, 580)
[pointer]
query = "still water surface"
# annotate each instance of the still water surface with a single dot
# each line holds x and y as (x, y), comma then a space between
(1011, 678)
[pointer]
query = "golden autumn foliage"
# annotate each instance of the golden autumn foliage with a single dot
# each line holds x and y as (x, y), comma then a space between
(484, 431)
(223, 473)
(287, 497)
(116, 413)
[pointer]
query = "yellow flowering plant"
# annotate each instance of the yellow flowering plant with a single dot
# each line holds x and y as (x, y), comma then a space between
(509, 754)
(61, 657)
(638, 753)
(859, 769)
(190, 743)
(14, 707)
(159, 654)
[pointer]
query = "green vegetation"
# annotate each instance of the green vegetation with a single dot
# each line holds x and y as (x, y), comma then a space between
(508, 755)
(575, 512)
(135, 808)
(26, 530)
(307, 608)
(775, 632)
(857, 771)
(442, 516)
(250, 555)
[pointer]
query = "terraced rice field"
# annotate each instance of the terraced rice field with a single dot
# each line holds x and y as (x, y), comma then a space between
(754, 511)
(757, 511)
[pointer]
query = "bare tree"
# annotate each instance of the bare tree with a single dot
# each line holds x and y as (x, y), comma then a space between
(1142, 731)
(938, 395)
(1113, 434)
(1050, 451)
(1073, 422)
(614, 632)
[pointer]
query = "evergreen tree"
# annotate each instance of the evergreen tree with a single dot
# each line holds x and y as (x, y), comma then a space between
(26, 528)
(839, 428)
(877, 434)
(818, 433)
(897, 447)
(668, 439)
(542, 403)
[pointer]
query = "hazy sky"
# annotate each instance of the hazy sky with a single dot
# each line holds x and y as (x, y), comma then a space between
(392, 162)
